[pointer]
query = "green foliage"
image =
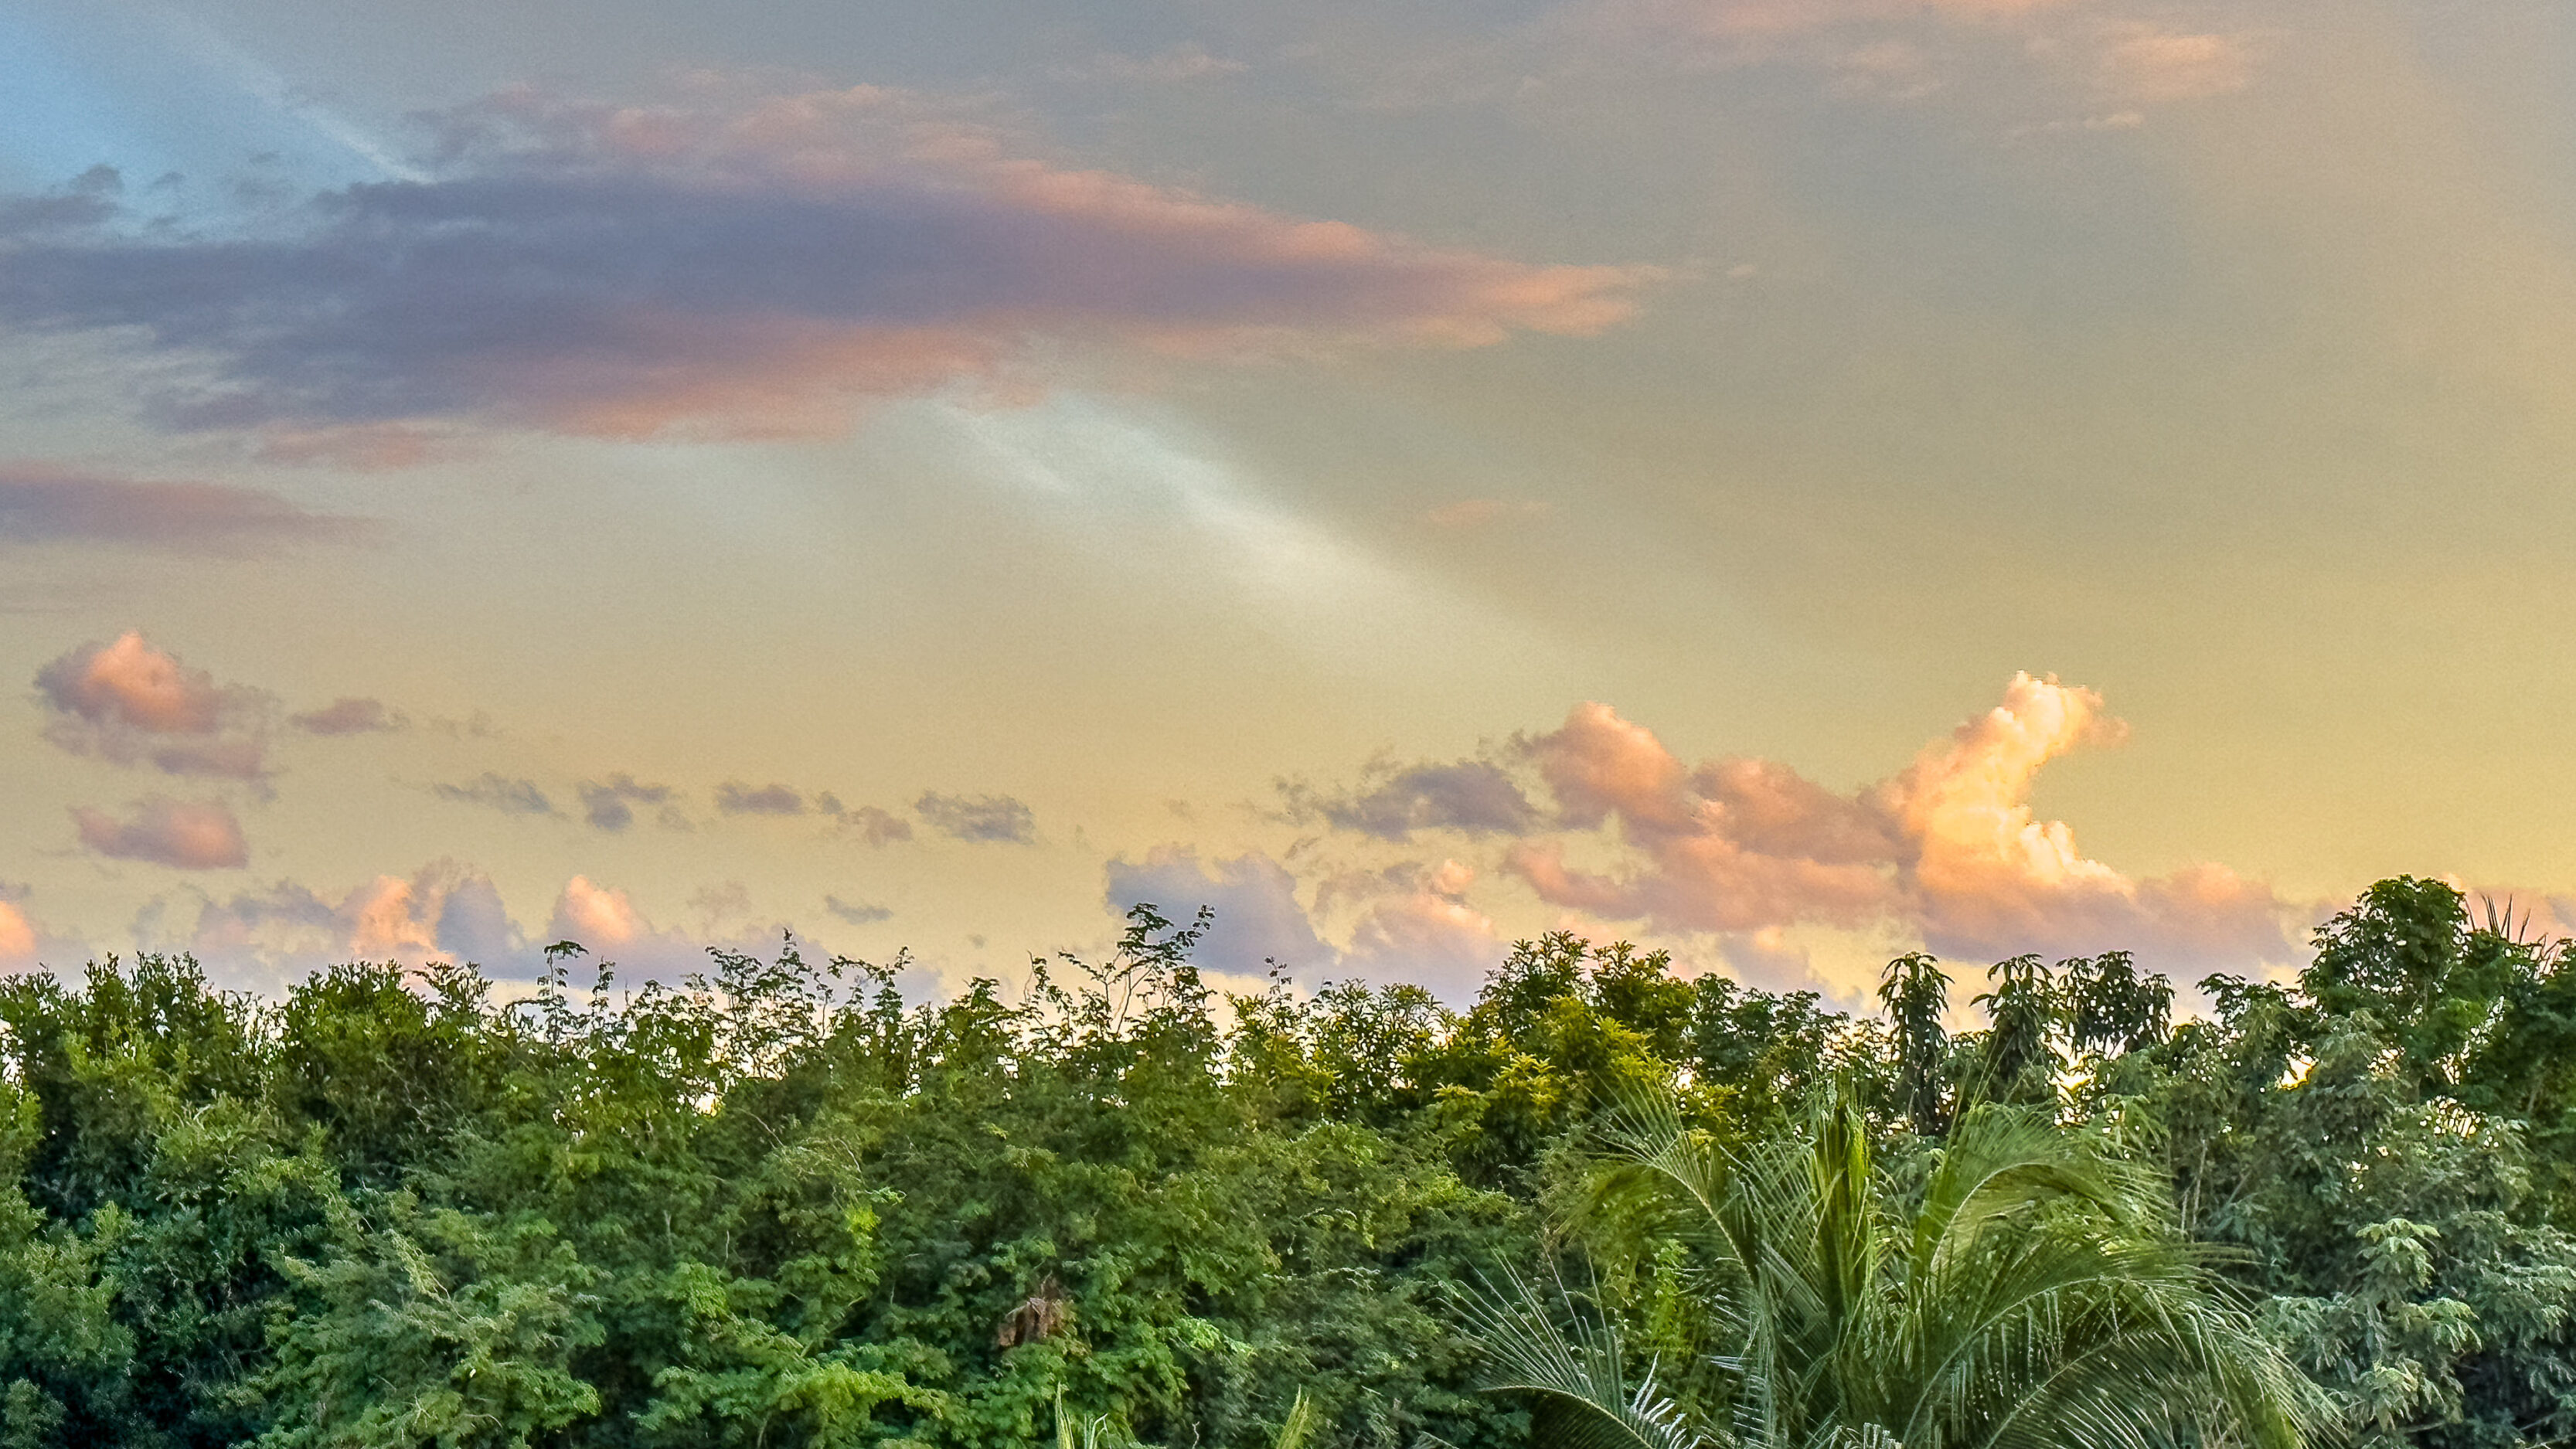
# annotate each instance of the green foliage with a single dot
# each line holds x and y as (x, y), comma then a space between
(2032, 1292)
(778, 1205)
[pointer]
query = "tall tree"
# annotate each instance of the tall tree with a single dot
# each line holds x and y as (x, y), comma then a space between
(1916, 994)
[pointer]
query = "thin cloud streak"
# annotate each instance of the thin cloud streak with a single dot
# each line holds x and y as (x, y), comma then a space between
(42, 503)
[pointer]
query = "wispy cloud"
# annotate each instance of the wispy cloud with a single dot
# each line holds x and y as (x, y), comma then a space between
(856, 913)
(350, 715)
(733, 797)
(44, 503)
(741, 270)
(498, 792)
(978, 817)
(2144, 63)
(609, 804)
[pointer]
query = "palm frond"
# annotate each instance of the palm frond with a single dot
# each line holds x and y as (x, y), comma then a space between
(1572, 1363)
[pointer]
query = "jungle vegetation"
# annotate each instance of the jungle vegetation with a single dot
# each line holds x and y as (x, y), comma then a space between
(782, 1206)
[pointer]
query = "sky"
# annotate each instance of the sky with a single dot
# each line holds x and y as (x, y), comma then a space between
(1782, 481)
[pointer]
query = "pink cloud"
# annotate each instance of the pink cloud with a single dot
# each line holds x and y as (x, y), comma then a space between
(131, 683)
(1948, 849)
(1429, 936)
(130, 702)
(188, 835)
(606, 921)
(746, 269)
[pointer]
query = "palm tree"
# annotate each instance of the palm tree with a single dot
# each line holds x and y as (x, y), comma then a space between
(2034, 1295)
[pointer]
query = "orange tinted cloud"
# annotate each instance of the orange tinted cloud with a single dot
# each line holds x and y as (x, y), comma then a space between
(191, 835)
(130, 682)
(597, 916)
(131, 702)
(1949, 849)
(17, 936)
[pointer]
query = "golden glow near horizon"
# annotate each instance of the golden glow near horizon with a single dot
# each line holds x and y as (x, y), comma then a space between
(1783, 480)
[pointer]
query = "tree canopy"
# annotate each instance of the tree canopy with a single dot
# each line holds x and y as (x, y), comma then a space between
(781, 1205)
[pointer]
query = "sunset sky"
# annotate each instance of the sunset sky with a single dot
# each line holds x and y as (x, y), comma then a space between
(1788, 481)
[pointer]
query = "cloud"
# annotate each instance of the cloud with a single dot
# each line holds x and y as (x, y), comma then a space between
(736, 798)
(856, 913)
(474, 926)
(17, 937)
(129, 683)
(509, 796)
(1948, 849)
(1755, 21)
(978, 817)
(349, 716)
(741, 270)
(610, 804)
(129, 702)
(1473, 796)
(1429, 935)
(1258, 920)
(867, 822)
(40, 503)
(189, 835)
(444, 911)
(605, 921)
(2144, 63)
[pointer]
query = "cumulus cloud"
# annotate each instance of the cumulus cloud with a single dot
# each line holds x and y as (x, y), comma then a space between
(1415, 925)
(610, 804)
(749, 268)
(605, 921)
(1949, 848)
(191, 835)
(349, 716)
(443, 912)
(17, 937)
(498, 792)
(131, 703)
(41, 503)
(978, 817)
(1258, 920)
(1428, 935)
(1473, 796)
